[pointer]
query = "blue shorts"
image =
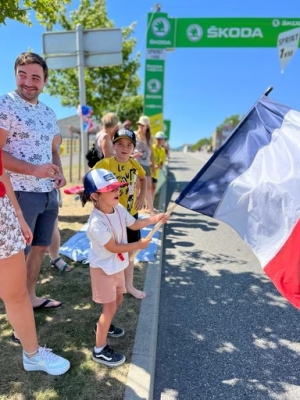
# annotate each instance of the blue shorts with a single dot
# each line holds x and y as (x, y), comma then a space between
(40, 211)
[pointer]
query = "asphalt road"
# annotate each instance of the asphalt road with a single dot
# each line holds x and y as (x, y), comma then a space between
(224, 331)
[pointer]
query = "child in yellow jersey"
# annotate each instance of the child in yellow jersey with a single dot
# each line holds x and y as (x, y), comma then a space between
(159, 155)
(127, 170)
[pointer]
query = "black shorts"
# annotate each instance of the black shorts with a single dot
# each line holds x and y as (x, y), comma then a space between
(133, 236)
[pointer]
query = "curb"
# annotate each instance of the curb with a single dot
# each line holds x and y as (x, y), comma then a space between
(140, 378)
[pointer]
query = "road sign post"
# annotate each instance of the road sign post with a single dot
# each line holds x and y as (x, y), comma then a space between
(83, 49)
(82, 93)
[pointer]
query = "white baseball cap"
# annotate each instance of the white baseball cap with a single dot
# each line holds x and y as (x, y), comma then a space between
(100, 180)
(160, 135)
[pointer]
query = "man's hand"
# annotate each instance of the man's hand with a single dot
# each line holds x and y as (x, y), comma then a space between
(60, 180)
(47, 170)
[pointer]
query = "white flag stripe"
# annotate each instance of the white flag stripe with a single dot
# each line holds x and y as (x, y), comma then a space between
(263, 204)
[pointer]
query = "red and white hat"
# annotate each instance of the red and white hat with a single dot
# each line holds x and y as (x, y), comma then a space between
(100, 180)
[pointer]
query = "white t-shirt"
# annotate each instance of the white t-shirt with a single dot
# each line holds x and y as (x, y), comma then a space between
(31, 128)
(101, 228)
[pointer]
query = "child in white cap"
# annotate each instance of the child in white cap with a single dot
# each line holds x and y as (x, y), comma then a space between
(108, 256)
(127, 169)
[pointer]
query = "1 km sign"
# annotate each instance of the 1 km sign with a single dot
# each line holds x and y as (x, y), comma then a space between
(165, 33)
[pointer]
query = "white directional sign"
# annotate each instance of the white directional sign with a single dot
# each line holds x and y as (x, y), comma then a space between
(90, 61)
(101, 48)
(287, 45)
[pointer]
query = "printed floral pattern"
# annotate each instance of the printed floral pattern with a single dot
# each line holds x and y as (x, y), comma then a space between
(31, 130)
(11, 238)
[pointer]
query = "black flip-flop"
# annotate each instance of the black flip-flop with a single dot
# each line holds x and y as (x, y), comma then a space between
(44, 304)
(15, 339)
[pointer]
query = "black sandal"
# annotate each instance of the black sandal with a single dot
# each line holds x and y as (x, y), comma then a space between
(15, 339)
(63, 267)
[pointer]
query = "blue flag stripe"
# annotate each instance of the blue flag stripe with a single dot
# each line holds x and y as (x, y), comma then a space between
(234, 157)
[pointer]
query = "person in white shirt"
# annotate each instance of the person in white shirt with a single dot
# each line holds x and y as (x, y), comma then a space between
(32, 162)
(108, 256)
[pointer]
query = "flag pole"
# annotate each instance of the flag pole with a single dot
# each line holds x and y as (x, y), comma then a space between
(150, 234)
(269, 90)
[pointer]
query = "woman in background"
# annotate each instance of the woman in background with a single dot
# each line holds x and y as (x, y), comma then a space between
(103, 140)
(143, 153)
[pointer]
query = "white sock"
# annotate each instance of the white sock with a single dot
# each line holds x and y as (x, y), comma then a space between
(98, 349)
(32, 354)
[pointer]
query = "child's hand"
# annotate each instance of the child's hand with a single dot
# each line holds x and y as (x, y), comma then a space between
(161, 217)
(25, 230)
(139, 203)
(143, 243)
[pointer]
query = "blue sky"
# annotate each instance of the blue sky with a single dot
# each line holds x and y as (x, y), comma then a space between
(202, 86)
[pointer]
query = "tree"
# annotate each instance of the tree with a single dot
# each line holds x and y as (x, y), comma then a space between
(229, 123)
(112, 89)
(224, 130)
(47, 11)
(201, 143)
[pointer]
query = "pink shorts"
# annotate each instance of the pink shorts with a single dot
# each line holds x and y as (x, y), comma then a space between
(105, 288)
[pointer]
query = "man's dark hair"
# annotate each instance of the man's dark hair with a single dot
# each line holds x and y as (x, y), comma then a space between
(31, 58)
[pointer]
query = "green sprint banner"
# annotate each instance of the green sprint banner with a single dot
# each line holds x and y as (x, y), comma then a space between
(154, 88)
(165, 32)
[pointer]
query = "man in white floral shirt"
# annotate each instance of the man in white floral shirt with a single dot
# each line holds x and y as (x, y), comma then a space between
(32, 162)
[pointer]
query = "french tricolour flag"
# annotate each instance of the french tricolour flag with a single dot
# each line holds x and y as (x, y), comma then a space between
(253, 184)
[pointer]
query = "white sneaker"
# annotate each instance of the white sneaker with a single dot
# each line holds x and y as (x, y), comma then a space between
(46, 361)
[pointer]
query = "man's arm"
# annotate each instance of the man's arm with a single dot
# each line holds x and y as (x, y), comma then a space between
(60, 180)
(13, 164)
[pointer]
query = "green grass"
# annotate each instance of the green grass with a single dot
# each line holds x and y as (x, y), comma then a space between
(69, 331)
